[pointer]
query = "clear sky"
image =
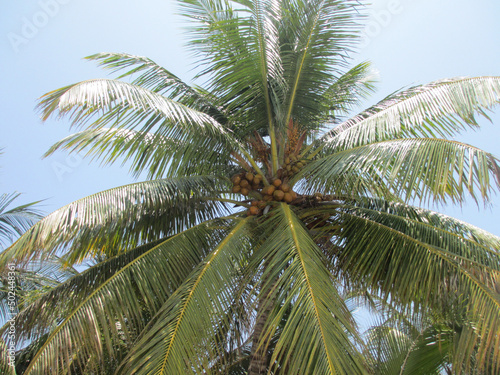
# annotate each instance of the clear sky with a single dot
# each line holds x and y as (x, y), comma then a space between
(42, 44)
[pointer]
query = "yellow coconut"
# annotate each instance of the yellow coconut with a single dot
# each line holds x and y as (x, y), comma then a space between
(278, 195)
(249, 176)
(285, 187)
(269, 190)
(288, 197)
(253, 210)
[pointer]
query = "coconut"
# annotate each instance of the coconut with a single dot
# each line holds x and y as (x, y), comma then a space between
(288, 197)
(277, 182)
(285, 187)
(244, 183)
(249, 176)
(269, 190)
(236, 180)
(236, 188)
(278, 195)
(253, 210)
(244, 191)
(254, 203)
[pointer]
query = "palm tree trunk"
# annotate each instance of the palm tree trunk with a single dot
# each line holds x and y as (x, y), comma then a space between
(259, 357)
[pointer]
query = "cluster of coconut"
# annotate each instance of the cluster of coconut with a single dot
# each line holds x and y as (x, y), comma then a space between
(292, 166)
(243, 183)
(278, 191)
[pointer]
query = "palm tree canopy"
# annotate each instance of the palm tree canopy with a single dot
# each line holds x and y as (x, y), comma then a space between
(266, 201)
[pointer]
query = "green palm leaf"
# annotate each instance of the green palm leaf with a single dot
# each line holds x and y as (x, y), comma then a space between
(348, 90)
(219, 38)
(14, 221)
(317, 332)
(109, 302)
(399, 353)
(119, 219)
(180, 338)
(137, 108)
(108, 95)
(157, 79)
(5, 364)
(421, 169)
(29, 283)
(152, 152)
(396, 260)
(440, 108)
(317, 36)
(438, 229)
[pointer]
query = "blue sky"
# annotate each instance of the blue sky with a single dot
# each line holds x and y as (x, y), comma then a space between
(42, 44)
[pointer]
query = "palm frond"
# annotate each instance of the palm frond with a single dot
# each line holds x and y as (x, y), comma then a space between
(14, 221)
(441, 108)
(250, 88)
(419, 169)
(316, 39)
(150, 75)
(219, 37)
(153, 153)
(265, 43)
(348, 91)
(119, 219)
(397, 352)
(450, 232)
(29, 283)
(7, 366)
(110, 302)
(180, 338)
(317, 334)
(415, 267)
(126, 106)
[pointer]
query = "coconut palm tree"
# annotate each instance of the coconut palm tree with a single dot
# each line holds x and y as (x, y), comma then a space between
(264, 204)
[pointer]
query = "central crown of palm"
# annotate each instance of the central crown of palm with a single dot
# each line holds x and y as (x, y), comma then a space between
(265, 205)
